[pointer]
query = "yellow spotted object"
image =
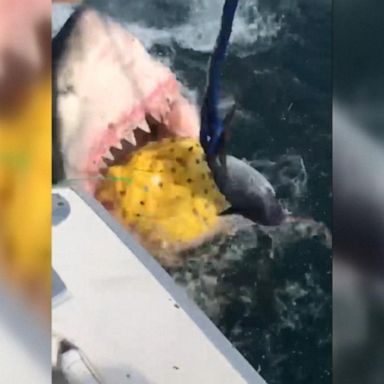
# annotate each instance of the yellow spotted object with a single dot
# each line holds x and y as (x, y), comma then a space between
(165, 192)
(25, 191)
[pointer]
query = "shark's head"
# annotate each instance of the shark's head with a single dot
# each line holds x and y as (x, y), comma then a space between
(111, 97)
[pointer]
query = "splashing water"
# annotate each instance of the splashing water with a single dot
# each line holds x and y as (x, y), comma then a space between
(198, 31)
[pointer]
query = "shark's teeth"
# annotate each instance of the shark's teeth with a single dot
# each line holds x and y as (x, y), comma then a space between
(118, 145)
(159, 116)
(155, 118)
(144, 127)
(108, 156)
(130, 137)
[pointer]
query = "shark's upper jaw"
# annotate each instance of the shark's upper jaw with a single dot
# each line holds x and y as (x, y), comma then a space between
(115, 145)
(133, 129)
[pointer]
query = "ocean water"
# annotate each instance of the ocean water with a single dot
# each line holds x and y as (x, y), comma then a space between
(268, 290)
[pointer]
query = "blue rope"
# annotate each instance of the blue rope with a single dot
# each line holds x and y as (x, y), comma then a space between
(212, 128)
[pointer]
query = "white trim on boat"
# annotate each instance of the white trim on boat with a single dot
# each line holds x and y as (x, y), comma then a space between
(125, 313)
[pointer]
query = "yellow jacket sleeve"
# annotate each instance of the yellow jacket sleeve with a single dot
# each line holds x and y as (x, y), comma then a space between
(25, 192)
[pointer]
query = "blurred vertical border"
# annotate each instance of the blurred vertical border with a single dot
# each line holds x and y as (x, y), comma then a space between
(358, 191)
(25, 190)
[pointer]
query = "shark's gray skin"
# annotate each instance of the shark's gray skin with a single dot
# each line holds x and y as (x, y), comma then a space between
(247, 190)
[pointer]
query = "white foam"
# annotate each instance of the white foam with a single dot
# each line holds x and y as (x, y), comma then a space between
(200, 31)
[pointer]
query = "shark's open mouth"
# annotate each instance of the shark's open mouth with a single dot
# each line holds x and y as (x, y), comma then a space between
(152, 120)
(120, 151)
(133, 130)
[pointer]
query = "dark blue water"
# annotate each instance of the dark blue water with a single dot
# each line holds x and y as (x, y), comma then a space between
(268, 291)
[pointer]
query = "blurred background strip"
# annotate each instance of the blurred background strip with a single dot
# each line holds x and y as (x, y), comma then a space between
(25, 190)
(358, 192)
